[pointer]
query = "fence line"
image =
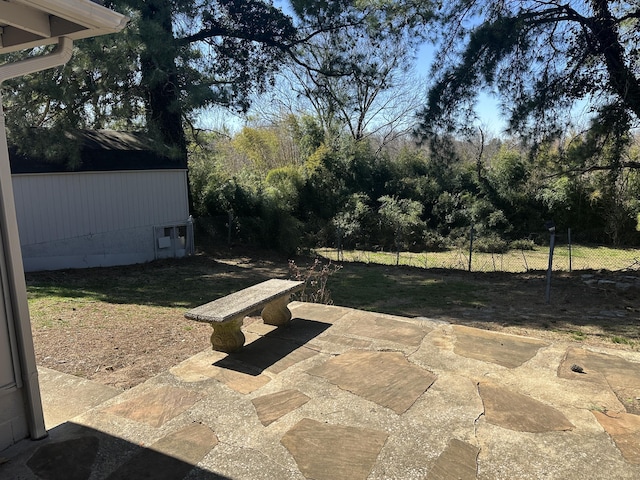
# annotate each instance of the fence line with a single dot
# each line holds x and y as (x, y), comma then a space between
(466, 255)
(475, 254)
(582, 258)
(566, 257)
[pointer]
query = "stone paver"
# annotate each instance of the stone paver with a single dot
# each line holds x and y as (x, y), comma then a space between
(66, 460)
(385, 378)
(506, 350)
(622, 376)
(274, 355)
(202, 367)
(458, 461)
(329, 452)
(519, 412)
(317, 311)
(277, 350)
(172, 456)
(624, 428)
(356, 343)
(276, 405)
(372, 326)
(60, 406)
(156, 407)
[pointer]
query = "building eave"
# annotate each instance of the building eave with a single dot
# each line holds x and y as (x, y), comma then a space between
(31, 23)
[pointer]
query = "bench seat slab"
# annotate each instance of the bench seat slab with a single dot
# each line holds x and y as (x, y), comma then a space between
(244, 301)
(226, 314)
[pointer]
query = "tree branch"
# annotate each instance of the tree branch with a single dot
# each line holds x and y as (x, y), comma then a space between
(597, 168)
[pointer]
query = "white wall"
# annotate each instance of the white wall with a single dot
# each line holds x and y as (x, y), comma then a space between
(13, 416)
(89, 219)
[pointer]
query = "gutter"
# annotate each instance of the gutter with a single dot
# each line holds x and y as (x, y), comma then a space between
(17, 298)
(83, 12)
(57, 57)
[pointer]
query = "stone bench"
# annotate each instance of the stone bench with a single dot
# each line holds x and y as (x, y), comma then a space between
(226, 314)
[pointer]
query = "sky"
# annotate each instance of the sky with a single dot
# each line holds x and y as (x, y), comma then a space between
(487, 107)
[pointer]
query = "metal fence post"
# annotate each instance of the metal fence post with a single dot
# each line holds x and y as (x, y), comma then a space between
(552, 241)
(569, 240)
(470, 246)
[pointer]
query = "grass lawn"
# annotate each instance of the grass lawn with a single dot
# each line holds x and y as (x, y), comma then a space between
(406, 291)
(120, 325)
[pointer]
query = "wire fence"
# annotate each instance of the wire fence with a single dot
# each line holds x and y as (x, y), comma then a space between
(552, 251)
(475, 253)
(580, 258)
(564, 256)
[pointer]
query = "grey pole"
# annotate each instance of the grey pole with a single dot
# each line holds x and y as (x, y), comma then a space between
(470, 246)
(551, 246)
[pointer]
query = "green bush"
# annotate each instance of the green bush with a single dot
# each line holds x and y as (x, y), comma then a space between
(434, 242)
(522, 244)
(491, 244)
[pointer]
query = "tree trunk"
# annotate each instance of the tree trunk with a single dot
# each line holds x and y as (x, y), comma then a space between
(621, 77)
(160, 78)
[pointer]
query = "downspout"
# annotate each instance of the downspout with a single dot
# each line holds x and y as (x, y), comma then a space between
(11, 241)
(57, 57)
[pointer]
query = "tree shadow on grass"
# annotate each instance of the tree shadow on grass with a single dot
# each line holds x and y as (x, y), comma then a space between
(186, 282)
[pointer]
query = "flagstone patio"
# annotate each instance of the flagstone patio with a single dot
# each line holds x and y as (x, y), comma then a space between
(347, 394)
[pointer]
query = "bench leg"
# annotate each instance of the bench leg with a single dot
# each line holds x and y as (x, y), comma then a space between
(277, 313)
(227, 337)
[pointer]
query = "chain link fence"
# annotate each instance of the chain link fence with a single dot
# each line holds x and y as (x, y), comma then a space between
(515, 261)
(519, 257)
(474, 253)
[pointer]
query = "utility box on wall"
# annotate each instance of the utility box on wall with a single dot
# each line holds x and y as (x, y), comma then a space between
(172, 241)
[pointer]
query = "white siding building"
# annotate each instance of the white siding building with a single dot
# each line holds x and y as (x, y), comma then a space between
(123, 205)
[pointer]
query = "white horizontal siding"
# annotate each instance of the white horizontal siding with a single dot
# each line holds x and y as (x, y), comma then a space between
(62, 206)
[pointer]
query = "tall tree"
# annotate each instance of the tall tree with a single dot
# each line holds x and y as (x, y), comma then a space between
(402, 217)
(357, 78)
(99, 88)
(541, 58)
(176, 57)
(190, 54)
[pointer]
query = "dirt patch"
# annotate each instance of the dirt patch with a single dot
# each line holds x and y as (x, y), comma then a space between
(121, 326)
(116, 353)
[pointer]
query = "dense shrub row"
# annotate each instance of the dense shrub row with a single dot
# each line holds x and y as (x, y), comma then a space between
(288, 187)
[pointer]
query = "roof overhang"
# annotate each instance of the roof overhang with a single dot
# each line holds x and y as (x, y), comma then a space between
(31, 23)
